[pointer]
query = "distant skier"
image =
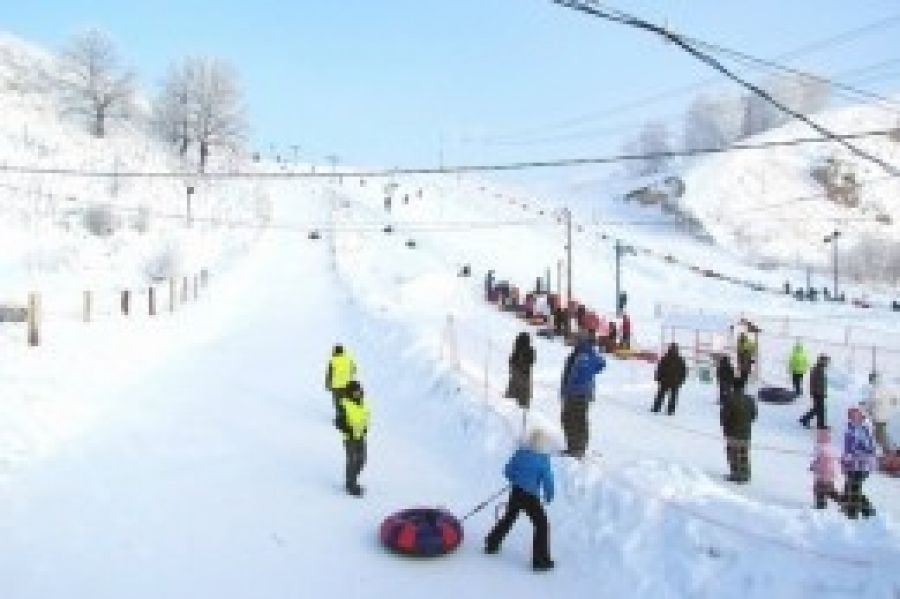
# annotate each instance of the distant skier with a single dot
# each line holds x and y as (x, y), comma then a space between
(521, 361)
(626, 331)
(823, 466)
(530, 476)
(577, 391)
(671, 373)
(341, 370)
(818, 390)
(857, 462)
(736, 416)
(353, 421)
(746, 355)
(798, 364)
(725, 377)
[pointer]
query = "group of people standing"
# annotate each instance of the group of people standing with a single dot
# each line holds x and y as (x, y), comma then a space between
(528, 470)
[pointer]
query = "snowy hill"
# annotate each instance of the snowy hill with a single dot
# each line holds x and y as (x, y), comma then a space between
(102, 232)
(769, 204)
(776, 205)
(193, 454)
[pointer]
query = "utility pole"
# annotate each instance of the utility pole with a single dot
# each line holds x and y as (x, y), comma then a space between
(568, 258)
(618, 276)
(333, 159)
(188, 216)
(832, 238)
(559, 280)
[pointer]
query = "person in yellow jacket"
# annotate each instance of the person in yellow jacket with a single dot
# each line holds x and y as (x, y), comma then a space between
(341, 370)
(798, 364)
(353, 422)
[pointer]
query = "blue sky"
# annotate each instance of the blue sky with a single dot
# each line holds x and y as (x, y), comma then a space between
(387, 81)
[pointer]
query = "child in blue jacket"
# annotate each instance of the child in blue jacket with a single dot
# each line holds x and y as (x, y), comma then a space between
(529, 473)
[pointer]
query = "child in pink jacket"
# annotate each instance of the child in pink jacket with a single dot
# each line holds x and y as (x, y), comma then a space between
(824, 467)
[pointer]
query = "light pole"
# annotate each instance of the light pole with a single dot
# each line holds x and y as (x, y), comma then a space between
(188, 215)
(832, 238)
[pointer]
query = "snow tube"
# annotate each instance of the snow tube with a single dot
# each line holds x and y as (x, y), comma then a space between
(778, 395)
(890, 464)
(421, 532)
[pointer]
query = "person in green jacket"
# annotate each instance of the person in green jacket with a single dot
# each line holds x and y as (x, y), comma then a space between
(798, 364)
(353, 421)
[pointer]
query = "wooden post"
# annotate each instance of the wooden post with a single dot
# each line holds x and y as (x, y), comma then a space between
(126, 296)
(184, 290)
(196, 285)
(171, 294)
(151, 298)
(34, 319)
(87, 306)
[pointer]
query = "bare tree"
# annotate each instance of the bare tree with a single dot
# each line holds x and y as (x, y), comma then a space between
(653, 141)
(803, 94)
(173, 107)
(217, 117)
(93, 82)
(713, 121)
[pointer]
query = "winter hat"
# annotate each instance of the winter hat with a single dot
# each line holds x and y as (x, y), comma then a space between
(338, 349)
(539, 441)
(823, 436)
(354, 390)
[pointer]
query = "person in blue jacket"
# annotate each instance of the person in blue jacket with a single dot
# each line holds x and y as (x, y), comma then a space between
(577, 391)
(529, 474)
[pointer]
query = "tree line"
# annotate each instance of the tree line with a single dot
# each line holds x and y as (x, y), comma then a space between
(718, 120)
(198, 106)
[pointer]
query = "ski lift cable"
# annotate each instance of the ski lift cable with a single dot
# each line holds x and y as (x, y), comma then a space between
(598, 10)
(828, 137)
(841, 38)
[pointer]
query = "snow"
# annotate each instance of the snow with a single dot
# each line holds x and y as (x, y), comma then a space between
(192, 454)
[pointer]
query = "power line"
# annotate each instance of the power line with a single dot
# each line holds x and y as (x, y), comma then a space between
(472, 168)
(682, 42)
(840, 38)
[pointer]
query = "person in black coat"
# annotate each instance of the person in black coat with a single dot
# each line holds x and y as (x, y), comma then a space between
(670, 375)
(818, 390)
(520, 362)
(736, 416)
(724, 377)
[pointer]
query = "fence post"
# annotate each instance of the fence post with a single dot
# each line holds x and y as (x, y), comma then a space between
(204, 277)
(34, 318)
(195, 287)
(87, 306)
(151, 298)
(184, 290)
(125, 300)
(171, 294)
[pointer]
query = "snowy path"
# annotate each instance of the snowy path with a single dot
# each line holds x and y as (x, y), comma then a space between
(221, 475)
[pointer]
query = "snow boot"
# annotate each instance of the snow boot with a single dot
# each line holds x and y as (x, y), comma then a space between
(542, 565)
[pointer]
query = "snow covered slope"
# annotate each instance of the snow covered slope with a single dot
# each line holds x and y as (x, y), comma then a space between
(103, 233)
(767, 204)
(193, 454)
